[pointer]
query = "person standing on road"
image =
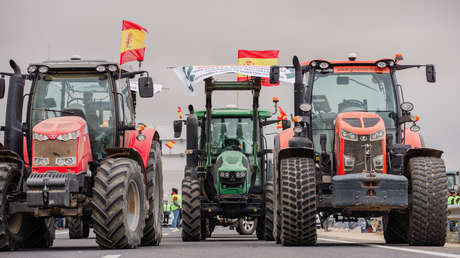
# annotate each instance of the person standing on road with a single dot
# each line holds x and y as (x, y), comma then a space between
(166, 212)
(176, 205)
(451, 201)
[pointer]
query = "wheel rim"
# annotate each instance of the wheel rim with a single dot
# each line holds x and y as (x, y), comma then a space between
(248, 225)
(133, 205)
(15, 223)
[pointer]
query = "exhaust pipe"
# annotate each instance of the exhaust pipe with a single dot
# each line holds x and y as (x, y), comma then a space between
(13, 121)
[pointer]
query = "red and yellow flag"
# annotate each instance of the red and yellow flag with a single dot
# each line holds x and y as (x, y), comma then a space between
(179, 112)
(132, 42)
(255, 57)
(170, 144)
(282, 116)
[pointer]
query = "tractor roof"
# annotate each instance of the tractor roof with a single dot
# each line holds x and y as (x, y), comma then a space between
(70, 64)
(233, 112)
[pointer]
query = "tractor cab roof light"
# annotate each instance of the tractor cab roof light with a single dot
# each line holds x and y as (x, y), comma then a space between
(100, 68)
(352, 56)
(113, 68)
(382, 64)
(32, 69)
(398, 57)
(43, 69)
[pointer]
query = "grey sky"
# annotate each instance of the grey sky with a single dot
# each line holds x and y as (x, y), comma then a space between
(211, 32)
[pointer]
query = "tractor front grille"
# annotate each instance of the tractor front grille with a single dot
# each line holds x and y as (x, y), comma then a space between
(356, 150)
(53, 149)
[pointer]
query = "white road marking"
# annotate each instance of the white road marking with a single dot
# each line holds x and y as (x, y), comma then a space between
(395, 248)
(111, 256)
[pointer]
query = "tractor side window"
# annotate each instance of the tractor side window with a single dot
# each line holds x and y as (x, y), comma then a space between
(125, 103)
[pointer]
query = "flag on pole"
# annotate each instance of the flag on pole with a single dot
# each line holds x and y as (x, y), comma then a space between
(255, 57)
(282, 116)
(170, 144)
(132, 42)
(179, 112)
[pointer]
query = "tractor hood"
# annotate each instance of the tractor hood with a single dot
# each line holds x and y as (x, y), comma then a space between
(59, 125)
(231, 161)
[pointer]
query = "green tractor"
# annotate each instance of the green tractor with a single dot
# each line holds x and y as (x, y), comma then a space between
(227, 173)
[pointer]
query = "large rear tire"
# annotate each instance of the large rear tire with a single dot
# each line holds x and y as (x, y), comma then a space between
(118, 203)
(395, 228)
(42, 233)
(298, 201)
(153, 231)
(191, 210)
(269, 211)
(428, 204)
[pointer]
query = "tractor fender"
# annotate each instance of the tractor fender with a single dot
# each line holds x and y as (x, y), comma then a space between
(142, 146)
(421, 152)
(12, 157)
(291, 152)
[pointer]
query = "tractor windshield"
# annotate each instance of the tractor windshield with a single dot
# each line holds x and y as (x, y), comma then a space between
(231, 133)
(86, 95)
(335, 93)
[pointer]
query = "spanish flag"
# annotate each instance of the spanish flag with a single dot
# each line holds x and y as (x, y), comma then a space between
(255, 57)
(282, 116)
(132, 42)
(170, 144)
(179, 112)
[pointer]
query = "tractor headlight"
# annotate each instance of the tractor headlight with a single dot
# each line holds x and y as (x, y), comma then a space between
(224, 174)
(407, 106)
(378, 162)
(39, 161)
(348, 162)
(377, 135)
(69, 136)
(381, 64)
(349, 135)
(240, 174)
(40, 137)
(323, 65)
(69, 161)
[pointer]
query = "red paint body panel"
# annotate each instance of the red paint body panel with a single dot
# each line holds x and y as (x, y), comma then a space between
(54, 127)
(24, 152)
(341, 124)
(285, 136)
(143, 147)
(413, 139)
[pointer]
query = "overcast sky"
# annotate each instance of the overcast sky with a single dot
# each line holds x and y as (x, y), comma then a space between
(211, 32)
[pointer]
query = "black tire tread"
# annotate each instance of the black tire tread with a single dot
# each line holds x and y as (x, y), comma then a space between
(298, 202)
(191, 210)
(429, 201)
(269, 209)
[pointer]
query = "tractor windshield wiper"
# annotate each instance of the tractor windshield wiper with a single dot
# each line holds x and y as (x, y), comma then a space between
(53, 110)
(363, 84)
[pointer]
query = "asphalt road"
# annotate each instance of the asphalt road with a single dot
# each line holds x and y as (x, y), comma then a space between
(226, 243)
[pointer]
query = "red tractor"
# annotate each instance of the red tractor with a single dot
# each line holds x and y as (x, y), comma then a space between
(351, 155)
(78, 154)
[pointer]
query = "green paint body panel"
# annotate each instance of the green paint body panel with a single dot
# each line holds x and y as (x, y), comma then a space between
(232, 162)
(233, 112)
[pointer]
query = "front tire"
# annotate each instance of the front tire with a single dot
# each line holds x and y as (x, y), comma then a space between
(78, 227)
(428, 207)
(118, 204)
(153, 231)
(191, 210)
(269, 211)
(396, 228)
(298, 202)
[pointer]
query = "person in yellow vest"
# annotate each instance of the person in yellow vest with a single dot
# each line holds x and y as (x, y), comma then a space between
(176, 205)
(166, 212)
(452, 200)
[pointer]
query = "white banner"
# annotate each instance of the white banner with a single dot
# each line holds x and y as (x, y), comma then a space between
(192, 75)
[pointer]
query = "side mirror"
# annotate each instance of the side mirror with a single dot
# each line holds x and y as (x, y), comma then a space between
(430, 73)
(286, 124)
(2, 88)
(145, 87)
(343, 80)
(50, 103)
(177, 128)
(274, 74)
